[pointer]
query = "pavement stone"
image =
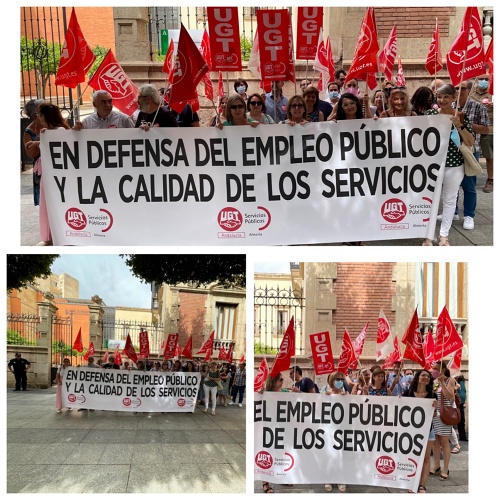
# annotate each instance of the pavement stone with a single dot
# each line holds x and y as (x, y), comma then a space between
(117, 452)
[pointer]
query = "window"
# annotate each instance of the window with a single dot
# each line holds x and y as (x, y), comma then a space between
(225, 321)
(282, 321)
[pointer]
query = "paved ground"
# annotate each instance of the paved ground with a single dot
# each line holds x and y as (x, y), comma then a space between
(116, 452)
(458, 481)
(481, 235)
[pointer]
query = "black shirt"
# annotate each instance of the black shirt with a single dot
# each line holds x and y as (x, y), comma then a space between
(164, 118)
(19, 365)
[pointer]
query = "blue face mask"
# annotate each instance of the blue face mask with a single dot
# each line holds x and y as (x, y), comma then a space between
(338, 384)
(334, 95)
(483, 84)
(241, 90)
(455, 137)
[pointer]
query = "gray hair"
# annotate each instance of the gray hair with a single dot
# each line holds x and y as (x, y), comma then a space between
(149, 90)
(98, 93)
(31, 107)
(446, 89)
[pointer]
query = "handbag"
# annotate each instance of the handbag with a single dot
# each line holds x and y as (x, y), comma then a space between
(449, 415)
(471, 165)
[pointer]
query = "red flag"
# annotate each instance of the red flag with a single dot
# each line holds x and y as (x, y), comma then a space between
(465, 59)
(168, 64)
(413, 340)
(387, 56)
(242, 359)
(205, 52)
(128, 350)
(384, 336)
(178, 351)
(320, 61)
(488, 58)
(118, 357)
(187, 352)
(365, 57)
(394, 356)
(230, 353)
(429, 350)
(78, 344)
(322, 353)
(208, 356)
(359, 343)
(90, 351)
(347, 354)
(189, 69)
(400, 80)
(222, 354)
(330, 60)
(171, 345)
(76, 56)
(309, 23)
(224, 31)
(454, 364)
(105, 357)
(291, 52)
(143, 344)
(447, 338)
(111, 77)
(274, 43)
(434, 62)
(208, 345)
(286, 351)
(261, 376)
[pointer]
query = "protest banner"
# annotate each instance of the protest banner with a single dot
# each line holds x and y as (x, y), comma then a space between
(120, 390)
(271, 185)
(314, 438)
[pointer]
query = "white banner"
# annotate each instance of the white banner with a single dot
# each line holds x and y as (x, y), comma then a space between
(271, 185)
(314, 438)
(123, 390)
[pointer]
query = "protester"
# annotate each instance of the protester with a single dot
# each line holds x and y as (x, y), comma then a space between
(31, 141)
(396, 382)
(236, 113)
(19, 366)
(220, 116)
(398, 104)
(304, 84)
(152, 111)
(276, 102)
(296, 111)
(187, 117)
(256, 107)
(462, 393)
(378, 384)
(104, 116)
(111, 363)
(422, 100)
(239, 384)
(332, 93)
(311, 99)
(454, 166)
(201, 390)
(222, 394)
(61, 372)
(300, 383)
(241, 87)
(340, 75)
(361, 386)
(212, 380)
(377, 101)
(480, 93)
(422, 387)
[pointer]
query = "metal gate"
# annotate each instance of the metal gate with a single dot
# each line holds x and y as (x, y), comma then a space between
(22, 329)
(273, 310)
(118, 330)
(62, 341)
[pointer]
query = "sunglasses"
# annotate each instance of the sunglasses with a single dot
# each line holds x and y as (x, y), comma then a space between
(297, 106)
(348, 104)
(237, 106)
(255, 103)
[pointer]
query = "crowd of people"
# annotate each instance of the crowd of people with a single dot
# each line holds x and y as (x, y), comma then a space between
(436, 384)
(468, 105)
(219, 382)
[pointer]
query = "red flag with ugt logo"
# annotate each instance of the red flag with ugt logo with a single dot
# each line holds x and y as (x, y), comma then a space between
(400, 80)
(261, 376)
(384, 336)
(128, 350)
(359, 343)
(187, 352)
(205, 52)
(224, 31)
(365, 57)
(76, 57)
(208, 345)
(347, 354)
(105, 357)
(413, 340)
(429, 350)
(78, 344)
(230, 353)
(111, 77)
(90, 351)
(286, 351)
(222, 354)
(118, 356)
(309, 22)
(465, 59)
(143, 344)
(434, 62)
(447, 338)
(168, 64)
(322, 353)
(394, 356)
(189, 68)
(387, 56)
(171, 345)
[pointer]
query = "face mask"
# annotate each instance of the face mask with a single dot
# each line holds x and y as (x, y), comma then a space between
(338, 384)
(455, 137)
(334, 95)
(483, 84)
(352, 90)
(410, 378)
(435, 373)
(240, 90)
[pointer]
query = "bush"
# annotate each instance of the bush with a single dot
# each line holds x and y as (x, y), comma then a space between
(15, 338)
(263, 349)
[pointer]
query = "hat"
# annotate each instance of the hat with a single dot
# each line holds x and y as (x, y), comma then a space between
(18, 354)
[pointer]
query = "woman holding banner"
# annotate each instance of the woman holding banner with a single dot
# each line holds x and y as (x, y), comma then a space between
(360, 388)
(311, 98)
(454, 168)
(256, 107)
(236, 113)
(59, 380)
(398, 105)
(378, 385)
(296, 111)
(422, 387)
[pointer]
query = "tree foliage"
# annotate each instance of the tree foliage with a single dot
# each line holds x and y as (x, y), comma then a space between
(23, 269)
(197, 270)
(15, 338)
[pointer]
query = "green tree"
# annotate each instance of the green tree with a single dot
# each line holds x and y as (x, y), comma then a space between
(15, 338)
(23, 269)
(100, 53)
(259, 348)
(225, 270)
(245, 47)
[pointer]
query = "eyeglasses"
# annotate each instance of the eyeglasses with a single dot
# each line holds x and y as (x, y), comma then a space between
(342, 79)
(237, 106)
(402, 87)
(348, 104)
(255, 103)
(296, 106)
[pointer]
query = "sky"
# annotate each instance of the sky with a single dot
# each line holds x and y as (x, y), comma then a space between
(106, 276)
(272, 267)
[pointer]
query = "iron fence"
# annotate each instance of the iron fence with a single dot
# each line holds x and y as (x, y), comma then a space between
(22, 329)
(118, 330)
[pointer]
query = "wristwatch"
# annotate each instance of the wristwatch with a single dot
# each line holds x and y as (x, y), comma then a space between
(462, 127)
